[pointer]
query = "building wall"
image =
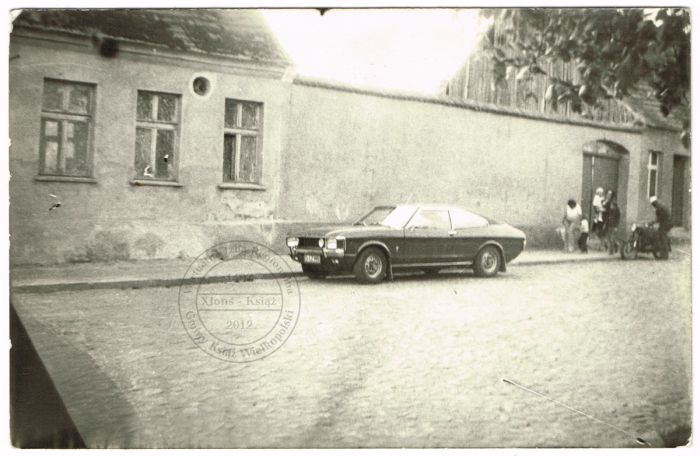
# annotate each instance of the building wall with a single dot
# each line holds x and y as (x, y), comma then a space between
(668, 143)
(347, 152)
(112, 218)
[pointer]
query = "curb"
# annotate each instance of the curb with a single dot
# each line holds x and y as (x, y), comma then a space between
(145, 283)
(566, 260)
(174, 282)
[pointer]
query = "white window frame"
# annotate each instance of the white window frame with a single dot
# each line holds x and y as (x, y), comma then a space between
(63, 117)
(153, 124)
(239, 132)
(653, 167)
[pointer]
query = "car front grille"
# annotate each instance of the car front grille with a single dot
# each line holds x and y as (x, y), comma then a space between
(307, 242)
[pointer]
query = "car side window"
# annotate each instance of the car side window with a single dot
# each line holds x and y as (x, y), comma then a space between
(431, 219)
(462, 219)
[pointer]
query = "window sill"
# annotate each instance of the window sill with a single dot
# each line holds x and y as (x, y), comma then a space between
(75, 179)
(155, 183)
(241, 186)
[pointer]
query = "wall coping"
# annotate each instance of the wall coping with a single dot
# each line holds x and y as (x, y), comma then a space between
(459, 103)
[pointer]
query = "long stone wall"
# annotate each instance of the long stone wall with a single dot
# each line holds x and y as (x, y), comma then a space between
(349, 151)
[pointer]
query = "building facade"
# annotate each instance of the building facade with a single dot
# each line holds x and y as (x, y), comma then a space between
(184, 129)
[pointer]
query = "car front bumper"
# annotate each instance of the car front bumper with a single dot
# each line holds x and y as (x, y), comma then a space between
(331, 259)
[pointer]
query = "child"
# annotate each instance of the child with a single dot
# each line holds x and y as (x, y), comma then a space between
(583, 239)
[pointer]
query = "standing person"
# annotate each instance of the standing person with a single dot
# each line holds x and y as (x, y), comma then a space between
(663, 218)
(583, 239)
(598, 211)
(571, 221)
(611, 221)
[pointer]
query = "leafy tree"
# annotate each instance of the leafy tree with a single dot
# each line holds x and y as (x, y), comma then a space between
(614, 50)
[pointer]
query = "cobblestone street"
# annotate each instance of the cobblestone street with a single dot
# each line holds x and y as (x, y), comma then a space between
(416, 362)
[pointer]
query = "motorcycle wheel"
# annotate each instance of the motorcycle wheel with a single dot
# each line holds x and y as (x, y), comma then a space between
(627, 251)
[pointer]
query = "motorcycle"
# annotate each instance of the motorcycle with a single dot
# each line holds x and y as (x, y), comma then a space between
(643, 239)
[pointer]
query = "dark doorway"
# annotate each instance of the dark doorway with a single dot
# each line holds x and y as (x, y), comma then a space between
(679, 190)
(598, 171)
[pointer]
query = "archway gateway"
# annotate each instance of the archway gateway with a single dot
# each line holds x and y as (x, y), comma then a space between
(604, 165)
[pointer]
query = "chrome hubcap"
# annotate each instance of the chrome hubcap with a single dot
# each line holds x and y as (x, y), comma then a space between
(488, 261)
(373, 266)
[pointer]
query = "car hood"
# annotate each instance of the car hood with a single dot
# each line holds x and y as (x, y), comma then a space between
(341, 230)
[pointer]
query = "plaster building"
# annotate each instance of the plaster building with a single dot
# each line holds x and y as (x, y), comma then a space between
(161, 132)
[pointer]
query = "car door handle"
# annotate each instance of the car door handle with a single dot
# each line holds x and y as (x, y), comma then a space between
(452, 232)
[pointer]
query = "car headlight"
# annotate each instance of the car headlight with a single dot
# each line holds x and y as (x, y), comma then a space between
(292, 242)
(321, 242)
(332, 244)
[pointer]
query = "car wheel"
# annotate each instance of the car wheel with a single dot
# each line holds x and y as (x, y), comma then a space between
(627, 251)
(313, 272)
(371, 266)
(488, 262)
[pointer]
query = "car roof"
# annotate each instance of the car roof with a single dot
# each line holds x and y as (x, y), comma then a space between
(429, 206)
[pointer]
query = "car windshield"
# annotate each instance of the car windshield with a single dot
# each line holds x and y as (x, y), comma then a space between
(394, 217)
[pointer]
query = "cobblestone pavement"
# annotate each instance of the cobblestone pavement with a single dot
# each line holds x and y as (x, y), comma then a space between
(417, 362)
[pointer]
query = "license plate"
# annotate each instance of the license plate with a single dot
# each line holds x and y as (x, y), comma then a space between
(315, 259)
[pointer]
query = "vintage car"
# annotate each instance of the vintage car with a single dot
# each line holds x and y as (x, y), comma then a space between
(426, 237)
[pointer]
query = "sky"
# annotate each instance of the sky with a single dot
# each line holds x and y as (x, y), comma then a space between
(409, 49)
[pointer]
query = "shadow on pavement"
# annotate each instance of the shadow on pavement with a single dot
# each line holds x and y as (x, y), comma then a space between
(38, 417)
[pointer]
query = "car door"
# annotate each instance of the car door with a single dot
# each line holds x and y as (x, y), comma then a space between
(426, 236)
(468, 233)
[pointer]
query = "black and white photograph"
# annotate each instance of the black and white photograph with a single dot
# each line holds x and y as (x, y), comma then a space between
(335, 226)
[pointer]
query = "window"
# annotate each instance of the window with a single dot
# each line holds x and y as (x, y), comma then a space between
(66, 126)
(157, 116)
(462, 219)
(431, 219)
(653, 168)
(242, 142)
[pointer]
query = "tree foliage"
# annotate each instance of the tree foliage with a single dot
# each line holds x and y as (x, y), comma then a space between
(614, 50)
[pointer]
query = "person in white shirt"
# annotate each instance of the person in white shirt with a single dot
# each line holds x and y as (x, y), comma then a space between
(571, 222)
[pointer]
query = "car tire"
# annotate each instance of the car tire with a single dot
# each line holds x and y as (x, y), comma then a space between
(487, 261)
(313, 272)
(371, 266)
(627, 251)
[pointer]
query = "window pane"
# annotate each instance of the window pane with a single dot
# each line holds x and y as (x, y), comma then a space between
(75, 152)
(167, 108)
(229, 154)
(164, 153)
(231, 114)
(434, 219)
(51, 157)
(652, 182)
(463, 219)
(653, 158)
(249, 159)
(50, 128)
(53, 96)
(142, 162)
(249, 116)
(144, 106)
(79, 99)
